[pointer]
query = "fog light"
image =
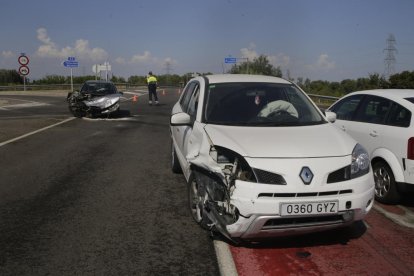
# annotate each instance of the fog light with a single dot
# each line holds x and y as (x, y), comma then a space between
(349, 215)
(348, 205)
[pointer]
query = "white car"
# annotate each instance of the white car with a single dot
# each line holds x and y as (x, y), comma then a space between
(382, 121)
(261, 160)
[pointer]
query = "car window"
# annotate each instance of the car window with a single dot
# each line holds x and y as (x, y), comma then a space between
(193, 103)
(346, 107)
(187, 95)
(373, 110)
(259, 104)
(399, 116)
(410, 100)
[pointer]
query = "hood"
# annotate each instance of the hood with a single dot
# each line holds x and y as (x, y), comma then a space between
(103, 101)
(283, 142)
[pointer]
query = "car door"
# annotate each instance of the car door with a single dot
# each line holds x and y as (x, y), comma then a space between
(180, 133)
(345, 110)
(370, 117)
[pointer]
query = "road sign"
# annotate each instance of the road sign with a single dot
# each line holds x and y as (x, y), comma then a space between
(230, 60)
(97, 68)
(23, 60)
(70, 64)
(24, 70)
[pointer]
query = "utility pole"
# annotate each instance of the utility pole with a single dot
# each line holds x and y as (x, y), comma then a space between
(390, 60)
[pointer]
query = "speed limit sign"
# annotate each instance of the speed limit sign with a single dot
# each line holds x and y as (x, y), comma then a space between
(23, 60)
(24, 70)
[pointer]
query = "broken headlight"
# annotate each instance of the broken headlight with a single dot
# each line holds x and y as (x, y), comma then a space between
(232, 163)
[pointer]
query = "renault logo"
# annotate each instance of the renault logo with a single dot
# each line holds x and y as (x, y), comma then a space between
(306, 175)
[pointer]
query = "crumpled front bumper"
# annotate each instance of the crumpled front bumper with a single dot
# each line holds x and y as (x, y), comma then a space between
(259, 206)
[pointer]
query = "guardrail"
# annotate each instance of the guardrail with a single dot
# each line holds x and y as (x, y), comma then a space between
(322, 100)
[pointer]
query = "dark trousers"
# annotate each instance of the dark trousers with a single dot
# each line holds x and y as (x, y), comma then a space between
(152, 91)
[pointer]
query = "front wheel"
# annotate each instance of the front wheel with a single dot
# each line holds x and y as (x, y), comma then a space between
(196, 199)
(385, 187)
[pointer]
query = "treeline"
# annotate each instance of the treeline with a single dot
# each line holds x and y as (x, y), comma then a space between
(403, 80)
(10, 77)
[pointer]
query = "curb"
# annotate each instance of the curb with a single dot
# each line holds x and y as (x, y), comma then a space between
(224, 259)
(404, 217)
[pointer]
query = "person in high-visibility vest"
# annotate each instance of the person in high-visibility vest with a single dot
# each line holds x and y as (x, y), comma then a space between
(152, 88)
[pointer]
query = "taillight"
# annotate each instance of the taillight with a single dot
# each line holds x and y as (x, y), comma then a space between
(410, 149)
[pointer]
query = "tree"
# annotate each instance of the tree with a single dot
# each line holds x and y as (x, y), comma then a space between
(259, 66)
(10, 77)
(402, 80)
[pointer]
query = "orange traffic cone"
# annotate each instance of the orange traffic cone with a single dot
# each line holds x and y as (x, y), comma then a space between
(134, 99)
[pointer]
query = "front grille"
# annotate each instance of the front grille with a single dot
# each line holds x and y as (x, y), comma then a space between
(266, 177)
(294, 222)
(313, 194)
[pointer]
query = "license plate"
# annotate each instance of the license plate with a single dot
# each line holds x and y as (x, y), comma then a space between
(308, 208)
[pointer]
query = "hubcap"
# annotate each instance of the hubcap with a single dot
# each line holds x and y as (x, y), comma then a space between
(382, 182)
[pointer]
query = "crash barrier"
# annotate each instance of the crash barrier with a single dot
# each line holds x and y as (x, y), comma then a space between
(323, 101)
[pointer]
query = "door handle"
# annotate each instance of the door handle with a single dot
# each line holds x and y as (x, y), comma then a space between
(373, 133)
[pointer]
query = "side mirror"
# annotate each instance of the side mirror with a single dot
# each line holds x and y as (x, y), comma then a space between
(330, 116)
(180, 119)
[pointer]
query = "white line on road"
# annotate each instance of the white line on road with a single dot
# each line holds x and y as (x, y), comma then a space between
(36, 131)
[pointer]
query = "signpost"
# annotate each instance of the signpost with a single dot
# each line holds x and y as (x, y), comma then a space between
(230, 60)
(233, 60)
(97, 68)
(71, 63)
(23, 69)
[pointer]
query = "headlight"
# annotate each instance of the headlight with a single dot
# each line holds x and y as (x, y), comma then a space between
(360, 161)
(232, 162)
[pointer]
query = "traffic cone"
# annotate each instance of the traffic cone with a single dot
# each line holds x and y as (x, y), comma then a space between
(163, 92)
(134, 99)
(179, 91)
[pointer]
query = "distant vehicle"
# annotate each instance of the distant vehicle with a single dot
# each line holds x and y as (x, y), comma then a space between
(261, 160)
(95, 98)
(382, 121)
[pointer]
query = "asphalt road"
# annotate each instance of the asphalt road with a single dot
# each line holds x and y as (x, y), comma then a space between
(94, 196)
(97, 197)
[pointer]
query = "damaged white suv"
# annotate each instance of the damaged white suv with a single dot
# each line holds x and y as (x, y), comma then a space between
(261, 160)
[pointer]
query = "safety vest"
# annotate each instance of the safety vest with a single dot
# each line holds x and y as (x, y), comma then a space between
(151, 79)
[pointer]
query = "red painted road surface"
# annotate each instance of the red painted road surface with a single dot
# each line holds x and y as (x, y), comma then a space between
(378, 247)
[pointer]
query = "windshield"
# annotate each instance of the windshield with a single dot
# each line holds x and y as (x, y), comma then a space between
(259, 104)
(98, 88)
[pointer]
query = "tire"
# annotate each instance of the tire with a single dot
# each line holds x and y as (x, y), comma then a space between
(195, 203)
(385, 187)
(175, 164)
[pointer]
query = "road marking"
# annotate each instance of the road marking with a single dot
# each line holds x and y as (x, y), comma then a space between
(34, 132)
(224, 259)
(406, 220)
(4, 104)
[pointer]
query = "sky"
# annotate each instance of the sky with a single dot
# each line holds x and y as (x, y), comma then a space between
(328, 40)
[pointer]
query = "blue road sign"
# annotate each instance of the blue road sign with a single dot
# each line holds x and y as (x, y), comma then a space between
(230, 60)
(69, 63)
